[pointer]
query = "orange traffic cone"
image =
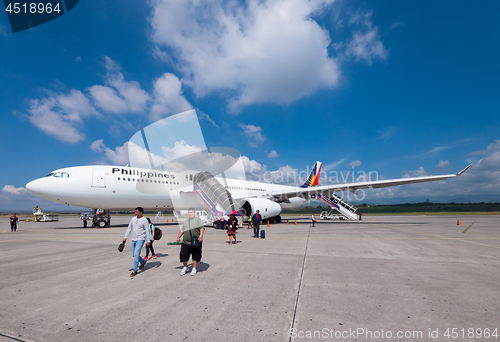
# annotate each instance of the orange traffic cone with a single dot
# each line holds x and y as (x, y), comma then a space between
(295, 222)
(286, 221)
(268, 223)
(458, 222)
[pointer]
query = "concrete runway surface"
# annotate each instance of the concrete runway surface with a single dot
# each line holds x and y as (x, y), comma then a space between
(412, 278)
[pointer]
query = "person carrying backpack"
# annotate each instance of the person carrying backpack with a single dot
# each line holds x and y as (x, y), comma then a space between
(152, 230)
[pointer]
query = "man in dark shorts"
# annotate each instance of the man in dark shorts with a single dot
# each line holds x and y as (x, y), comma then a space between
(192, 228)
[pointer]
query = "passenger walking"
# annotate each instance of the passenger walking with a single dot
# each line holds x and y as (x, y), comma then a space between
(192, 231)
(140, 233)
(232, 226)
(13, 222)
(313, 219)
(256, 220)
(152, 229)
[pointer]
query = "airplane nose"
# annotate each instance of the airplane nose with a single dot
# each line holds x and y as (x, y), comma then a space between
(33, 186)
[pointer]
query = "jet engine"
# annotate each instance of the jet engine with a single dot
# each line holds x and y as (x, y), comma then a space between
(268, 209)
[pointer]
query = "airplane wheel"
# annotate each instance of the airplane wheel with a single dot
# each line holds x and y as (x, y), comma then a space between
(277, 219)
(101, 224)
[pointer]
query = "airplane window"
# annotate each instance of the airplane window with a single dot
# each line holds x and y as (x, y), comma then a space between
(57, 174)
(50, 174)
(65, 175)
(129, 179)
(155, 181)
(142, 180)
(118, 178)
(191, 177)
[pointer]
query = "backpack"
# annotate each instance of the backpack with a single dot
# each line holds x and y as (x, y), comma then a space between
(158, 233)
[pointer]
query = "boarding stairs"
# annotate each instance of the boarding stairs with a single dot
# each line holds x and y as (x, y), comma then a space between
(336, 202)
(215, 196)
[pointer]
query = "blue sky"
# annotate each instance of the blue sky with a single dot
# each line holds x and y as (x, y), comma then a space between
(402, 88)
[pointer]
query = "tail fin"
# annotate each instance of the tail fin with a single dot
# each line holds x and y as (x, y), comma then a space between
(313, 178)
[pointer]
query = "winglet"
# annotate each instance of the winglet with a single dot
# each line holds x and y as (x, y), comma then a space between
(460, 173)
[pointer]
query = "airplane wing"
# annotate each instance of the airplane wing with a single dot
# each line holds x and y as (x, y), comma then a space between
(283, 195)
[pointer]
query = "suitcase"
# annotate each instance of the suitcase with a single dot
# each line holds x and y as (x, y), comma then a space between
(262, 234)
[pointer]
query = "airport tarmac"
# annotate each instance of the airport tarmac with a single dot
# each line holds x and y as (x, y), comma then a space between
(411, 277)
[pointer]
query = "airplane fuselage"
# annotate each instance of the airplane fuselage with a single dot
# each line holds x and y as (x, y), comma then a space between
(123, 188)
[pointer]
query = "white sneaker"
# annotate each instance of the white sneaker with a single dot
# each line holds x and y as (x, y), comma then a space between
(193, 271)
(184, 270)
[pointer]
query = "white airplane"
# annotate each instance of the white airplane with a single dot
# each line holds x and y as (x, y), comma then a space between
(124, 188)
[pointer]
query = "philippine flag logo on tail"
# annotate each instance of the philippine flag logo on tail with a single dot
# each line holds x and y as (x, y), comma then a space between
(313, 178)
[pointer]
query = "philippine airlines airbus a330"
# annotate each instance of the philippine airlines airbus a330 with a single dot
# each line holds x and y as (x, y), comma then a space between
(213, 182)
(124, 188)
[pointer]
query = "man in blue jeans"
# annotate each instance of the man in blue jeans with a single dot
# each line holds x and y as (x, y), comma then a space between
(140, 233)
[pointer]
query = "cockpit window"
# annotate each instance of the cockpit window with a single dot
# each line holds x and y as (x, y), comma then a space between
(58, 174)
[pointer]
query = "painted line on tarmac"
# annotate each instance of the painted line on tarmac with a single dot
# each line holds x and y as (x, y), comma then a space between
(452, 238)
(12, 337)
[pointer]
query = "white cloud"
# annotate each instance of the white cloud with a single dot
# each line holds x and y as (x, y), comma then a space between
(366, 43)
(13, 190)
(397, 23)
(60, 115)
(482, 179)
(420, 172)
(107, 99)
(273, 154)
(442, 164)
(97, 145)
(204, 116)
(253, 132)
(355, 163)
(127, 96)
(168, 98)
(180, 149)
(285, 175)
(75, 103)
(333, 165)
(119, 156)
(260, 51)
(388, 133)
(438, 149)
(78, 59)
